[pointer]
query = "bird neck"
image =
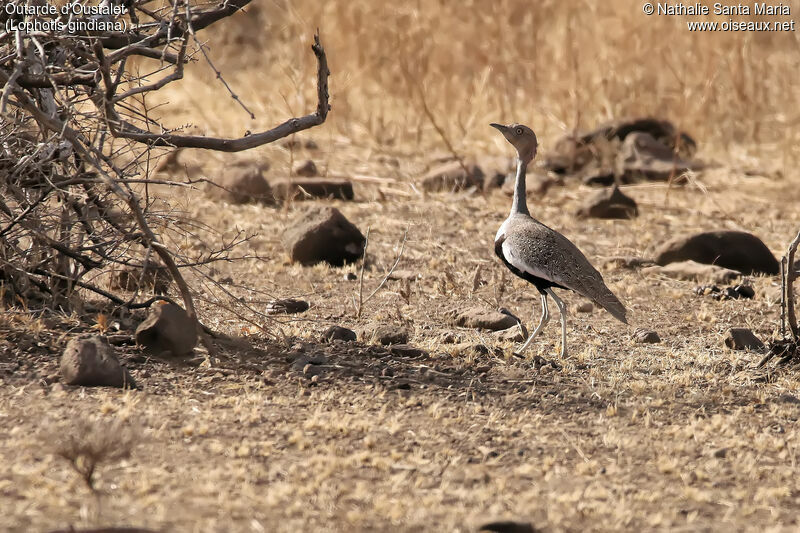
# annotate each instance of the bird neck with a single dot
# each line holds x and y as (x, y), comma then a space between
(520, 204)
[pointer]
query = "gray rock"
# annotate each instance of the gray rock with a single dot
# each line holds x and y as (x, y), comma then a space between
(242, 184)
(387, 335)
(646, 336)
(91, 362)
(643, 157)
(286, 306)
(743, 339)
(609, 203)
(167, 329)
(690, 270)
(406, 350)
(737, 250)
(339, 333)
(512, 334)
(296, 189)
(598, 148)
(323, 234)
(305, 168)
(451, 177)
(483, 319)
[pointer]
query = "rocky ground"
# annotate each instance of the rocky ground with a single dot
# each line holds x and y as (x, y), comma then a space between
(409, 411)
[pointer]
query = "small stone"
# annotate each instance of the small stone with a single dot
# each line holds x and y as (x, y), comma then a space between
(338, 333)
(287, 306)
(350, 276)
(242, 184)
(323, 234)
(609, 203)
(406, 350)
(91, 362)
(743, 339)
(305, 168)
(585, 307)
(721, 453)
(646, 336)
(508, 527)
(387, 335)
(482, 319)
(512, 334)
(168, 328)
(452, 177)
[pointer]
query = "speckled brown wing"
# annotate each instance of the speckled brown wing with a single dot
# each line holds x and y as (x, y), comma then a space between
(535, 249)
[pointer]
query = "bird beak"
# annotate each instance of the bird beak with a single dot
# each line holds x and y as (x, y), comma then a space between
(500, 127)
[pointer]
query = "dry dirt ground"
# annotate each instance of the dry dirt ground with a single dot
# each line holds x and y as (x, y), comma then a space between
(685, 435)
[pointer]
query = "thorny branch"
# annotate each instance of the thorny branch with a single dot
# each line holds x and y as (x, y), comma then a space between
(71, 199)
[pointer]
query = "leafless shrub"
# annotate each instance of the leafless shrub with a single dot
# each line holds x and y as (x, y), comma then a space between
(85, 445)
(76, 142)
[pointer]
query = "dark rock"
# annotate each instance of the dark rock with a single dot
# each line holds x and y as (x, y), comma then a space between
(595, 176)
(598, 148)
(153, 277)
(287, 306)
(452, 177)
(508, 526)
(305, 168)
(609, 203)
(350, 276)
(338, 333)
(737, 250)
(242, 184)
(720, 453)
(301, 361)
(91, 362)
(323, 234)
(646, 336)
(406, 350)
(294, 189)
(690, 270)
(734, 292)
(483, 319)
(584, 307)
(743, 339)
(387, 335)
(495, 180)
(168, 328)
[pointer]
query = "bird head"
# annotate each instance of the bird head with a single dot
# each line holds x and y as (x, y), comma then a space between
(522, 138)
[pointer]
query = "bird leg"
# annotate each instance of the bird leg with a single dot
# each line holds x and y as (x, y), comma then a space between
(563, 310)
(542, 323)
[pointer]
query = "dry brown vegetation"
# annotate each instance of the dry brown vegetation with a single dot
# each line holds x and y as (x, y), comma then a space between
(684, 435)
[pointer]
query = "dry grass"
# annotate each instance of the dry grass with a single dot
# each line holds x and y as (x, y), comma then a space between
(683, 435)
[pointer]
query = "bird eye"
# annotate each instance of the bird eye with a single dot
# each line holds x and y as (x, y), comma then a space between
(519, 131)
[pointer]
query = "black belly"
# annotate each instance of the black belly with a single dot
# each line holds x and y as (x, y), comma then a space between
(540, 283)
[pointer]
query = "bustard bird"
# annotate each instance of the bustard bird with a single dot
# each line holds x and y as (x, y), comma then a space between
(541, 255)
